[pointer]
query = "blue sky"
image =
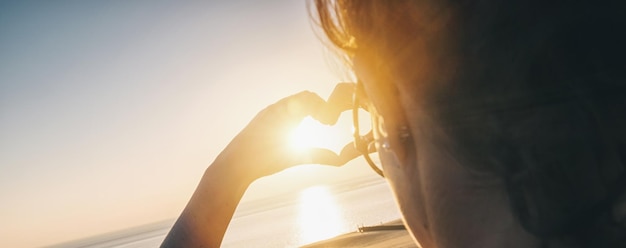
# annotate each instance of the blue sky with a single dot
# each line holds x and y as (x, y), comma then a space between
(110, 111)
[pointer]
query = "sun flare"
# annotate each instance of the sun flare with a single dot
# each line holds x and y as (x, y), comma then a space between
(311, 134)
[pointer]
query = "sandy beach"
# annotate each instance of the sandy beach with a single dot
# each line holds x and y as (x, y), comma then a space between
(372, 239)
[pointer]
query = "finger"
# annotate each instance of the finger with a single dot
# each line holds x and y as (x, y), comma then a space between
(341, 97)
(339, 101)
(327, 157)
(303, 104)
(292, 109)
(324, 157)
(317, 156)
(348, 153)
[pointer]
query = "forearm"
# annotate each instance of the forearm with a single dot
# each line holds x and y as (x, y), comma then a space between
(208, 213)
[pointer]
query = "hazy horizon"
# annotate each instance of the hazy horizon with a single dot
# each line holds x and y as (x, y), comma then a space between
(284, 220)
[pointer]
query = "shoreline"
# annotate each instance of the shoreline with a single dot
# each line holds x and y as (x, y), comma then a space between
(372, 239)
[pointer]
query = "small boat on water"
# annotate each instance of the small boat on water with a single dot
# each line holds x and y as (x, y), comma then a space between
(381, 228)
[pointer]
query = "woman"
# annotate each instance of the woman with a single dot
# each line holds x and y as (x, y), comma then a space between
(499, 123)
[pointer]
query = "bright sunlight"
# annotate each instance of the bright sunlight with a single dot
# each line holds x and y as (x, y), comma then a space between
(319, 215)
(310, 133)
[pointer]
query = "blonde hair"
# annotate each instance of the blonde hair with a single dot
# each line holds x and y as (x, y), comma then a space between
(536, 51)
(385, 29)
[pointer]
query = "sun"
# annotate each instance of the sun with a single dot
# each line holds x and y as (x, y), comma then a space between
(312, 134)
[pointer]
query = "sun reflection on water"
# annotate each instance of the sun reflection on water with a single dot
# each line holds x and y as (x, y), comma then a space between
(319, 215)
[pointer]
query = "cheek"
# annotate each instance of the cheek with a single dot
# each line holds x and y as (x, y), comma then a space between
(406, 186)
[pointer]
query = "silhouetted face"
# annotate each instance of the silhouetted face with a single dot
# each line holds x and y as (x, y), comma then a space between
(398, 158)
(443, 204)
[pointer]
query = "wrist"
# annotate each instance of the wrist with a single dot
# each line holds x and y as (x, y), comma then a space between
(208, 213)
(230, 169)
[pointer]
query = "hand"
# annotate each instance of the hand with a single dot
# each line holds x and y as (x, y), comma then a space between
(262, 147)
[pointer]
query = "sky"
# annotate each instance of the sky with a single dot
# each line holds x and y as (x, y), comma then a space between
(110, 111)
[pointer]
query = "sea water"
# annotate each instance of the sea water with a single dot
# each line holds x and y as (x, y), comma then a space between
(313, 214)
(287, 220)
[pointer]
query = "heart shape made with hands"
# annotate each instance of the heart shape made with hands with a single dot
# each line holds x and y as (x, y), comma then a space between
(336, 136)
(311, 134)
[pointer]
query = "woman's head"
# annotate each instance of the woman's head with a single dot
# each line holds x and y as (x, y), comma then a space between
(486, 88)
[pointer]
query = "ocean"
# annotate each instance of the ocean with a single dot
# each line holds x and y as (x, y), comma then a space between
(287, 220)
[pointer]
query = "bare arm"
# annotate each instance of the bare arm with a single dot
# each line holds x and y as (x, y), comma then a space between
(204, 220)
(258, 150)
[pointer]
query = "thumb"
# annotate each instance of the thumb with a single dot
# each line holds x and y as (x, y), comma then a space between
(327, 157)
(339, 101)
(348, 153)
(318, 156)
